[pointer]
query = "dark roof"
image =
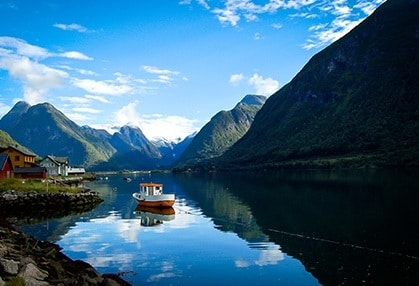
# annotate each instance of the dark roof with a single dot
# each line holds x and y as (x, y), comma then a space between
(61, 160)
(19, 150)
(29, 170)
(3, 160)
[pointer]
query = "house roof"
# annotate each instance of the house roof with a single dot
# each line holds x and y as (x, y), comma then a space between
(3, 160)
(30, 170)
(58, 160)
(19, 150)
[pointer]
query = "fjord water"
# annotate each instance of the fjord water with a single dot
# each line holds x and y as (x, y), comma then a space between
(285, 228)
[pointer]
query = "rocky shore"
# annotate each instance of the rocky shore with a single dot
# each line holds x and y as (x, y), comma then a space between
(36, 204)
(25, 260)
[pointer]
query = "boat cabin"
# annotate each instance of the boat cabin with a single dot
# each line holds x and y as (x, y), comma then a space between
(151, 189)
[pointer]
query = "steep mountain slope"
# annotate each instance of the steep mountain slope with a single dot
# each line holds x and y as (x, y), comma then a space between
(11, 119)
(223, 130)
(46, 130)
(6, 140)
(134, 151)
(135, 139)
(355, 103)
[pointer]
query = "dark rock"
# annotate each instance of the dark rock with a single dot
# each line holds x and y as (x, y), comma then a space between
(30, 259)
(42, 262)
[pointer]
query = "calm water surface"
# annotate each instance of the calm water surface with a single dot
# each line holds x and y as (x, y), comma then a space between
(286, 228)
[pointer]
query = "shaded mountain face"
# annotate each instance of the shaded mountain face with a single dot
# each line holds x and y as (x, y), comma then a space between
(6, 140)
(354, 103)
(12, 118)
(223, 130)
(134, 151)
(46, 130)
(171, 151)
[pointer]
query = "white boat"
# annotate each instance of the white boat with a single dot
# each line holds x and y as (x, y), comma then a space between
(151, 195)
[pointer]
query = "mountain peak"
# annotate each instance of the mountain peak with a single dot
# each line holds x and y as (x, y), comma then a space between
(251, 99)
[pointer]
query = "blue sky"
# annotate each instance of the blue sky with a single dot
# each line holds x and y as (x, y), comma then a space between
(166, 66)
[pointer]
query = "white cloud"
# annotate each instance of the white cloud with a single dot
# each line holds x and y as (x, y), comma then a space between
(236, 78)
(98, 98)
(204, 4)
(127, 114)
(80, 71)
(367, 6)
(75, 55)
(15, 46)
(71, 27)
(86, 110)
(23, 62)
(263, 86)
(226, 16)
(155, 125)
(167, 126)
(4, 109)
(164, 76)
(75, 99)
(344, 16)
(156, 70)
(277, 26)
(102, 87)
(37, 78)
(326, 34)
(345, 19)
(233, 10)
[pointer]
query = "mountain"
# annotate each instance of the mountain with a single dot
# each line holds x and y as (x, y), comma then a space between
(135, 139)
(11, 119)
(6, 140)
(46, 130)
(134, 151)
(355, 103)
(172, 150)
(222, 131)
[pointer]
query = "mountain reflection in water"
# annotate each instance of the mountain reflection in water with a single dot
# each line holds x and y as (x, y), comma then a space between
(288, 228)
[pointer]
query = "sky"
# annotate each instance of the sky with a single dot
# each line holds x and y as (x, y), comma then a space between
(166, 66)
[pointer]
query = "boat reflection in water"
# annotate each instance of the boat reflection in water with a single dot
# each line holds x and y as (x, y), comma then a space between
(152, 216)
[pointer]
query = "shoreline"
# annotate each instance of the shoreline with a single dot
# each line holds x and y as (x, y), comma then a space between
(28, 261)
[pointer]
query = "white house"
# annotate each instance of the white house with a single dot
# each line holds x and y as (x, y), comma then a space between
(55, 165)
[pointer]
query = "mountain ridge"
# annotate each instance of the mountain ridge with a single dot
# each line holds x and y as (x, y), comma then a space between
(221, 132)
(46, 130)
(353, 104)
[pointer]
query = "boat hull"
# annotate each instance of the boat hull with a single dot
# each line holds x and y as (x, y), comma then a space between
(161, 201)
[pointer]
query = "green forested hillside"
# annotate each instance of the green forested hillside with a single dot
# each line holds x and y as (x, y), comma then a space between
(223, 130)
(46, 130)
(6, 140)
(355, 103)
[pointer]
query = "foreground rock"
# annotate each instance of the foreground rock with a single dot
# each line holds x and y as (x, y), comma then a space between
(23, 258)
(27, 261)
(45, 205)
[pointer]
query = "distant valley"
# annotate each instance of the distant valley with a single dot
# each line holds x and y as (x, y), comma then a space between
(47, 131)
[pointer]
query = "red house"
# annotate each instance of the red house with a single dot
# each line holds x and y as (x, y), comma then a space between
(6, 167)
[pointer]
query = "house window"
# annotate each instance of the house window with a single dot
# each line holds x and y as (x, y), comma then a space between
(17, 158)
